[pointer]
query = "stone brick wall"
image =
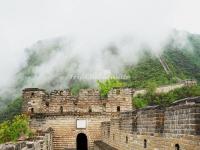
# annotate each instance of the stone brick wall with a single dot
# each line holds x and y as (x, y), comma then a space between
(40, 143)
(182, 118)
(112, 122)
(60, 110)
(150, 120)
(65, 130)
(156, 128)
(120, 99)
(33, 100)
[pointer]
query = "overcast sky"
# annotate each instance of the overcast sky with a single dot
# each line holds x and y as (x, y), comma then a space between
(23, 22)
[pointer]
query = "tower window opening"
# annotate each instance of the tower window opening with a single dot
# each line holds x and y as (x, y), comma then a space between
(47, 104)
(117, 91)
(61, 109)
(104, 107)
(126, 139)
(32, 94)
(145, 143)
(90, 109)
(118, 108)
(177, 147)
(32, 110)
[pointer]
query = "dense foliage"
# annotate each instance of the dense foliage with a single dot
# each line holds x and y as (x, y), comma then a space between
(148, 69)
(165, 99)
(12, 109)
(12, 130)
(107, 85)
(183, 62)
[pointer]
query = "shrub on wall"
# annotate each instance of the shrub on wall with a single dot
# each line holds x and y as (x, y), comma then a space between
(140, 103)
(12, 130)
(107, 85)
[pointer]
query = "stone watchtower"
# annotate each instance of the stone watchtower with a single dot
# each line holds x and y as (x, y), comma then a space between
(33, 100)
(75, 120)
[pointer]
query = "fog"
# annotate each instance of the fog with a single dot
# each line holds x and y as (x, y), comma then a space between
(83, 37)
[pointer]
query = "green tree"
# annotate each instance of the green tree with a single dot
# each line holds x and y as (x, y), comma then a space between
(5, 132)
(12, 109)
(12, 130)
(140, 102)
(107, 85)
(151, 87)
(19, 126)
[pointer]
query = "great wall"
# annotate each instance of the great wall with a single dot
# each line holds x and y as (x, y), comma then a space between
(62, 121)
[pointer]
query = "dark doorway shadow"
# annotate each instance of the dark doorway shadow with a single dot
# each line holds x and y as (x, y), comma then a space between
(81, 142)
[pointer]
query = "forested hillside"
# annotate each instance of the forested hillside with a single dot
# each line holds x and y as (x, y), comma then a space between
(183, 62)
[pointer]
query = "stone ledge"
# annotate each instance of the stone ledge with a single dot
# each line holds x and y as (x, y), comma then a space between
(104, 146)
(40, 115)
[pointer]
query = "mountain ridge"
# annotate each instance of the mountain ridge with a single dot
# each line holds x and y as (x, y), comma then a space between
(181, 61)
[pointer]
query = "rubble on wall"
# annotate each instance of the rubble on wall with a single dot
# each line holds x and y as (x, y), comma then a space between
(25, 145)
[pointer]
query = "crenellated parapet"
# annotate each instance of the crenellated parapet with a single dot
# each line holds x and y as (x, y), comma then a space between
(181, 117)
(88, 100)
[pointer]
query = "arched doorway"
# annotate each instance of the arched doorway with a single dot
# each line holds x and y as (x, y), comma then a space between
(81, 142)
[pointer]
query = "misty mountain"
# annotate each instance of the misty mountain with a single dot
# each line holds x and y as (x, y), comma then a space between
(52, 64)
(183, 63)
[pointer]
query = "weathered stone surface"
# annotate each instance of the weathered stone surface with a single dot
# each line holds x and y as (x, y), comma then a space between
(99, 145)
(112, 122)
(7, 147)
(25, 145)
(59, 110)
(159, 128)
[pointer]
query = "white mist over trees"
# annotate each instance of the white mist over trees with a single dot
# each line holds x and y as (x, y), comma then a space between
(78, 37)
(53, 64)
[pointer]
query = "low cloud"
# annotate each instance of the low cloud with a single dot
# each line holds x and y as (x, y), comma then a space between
(77, 38)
